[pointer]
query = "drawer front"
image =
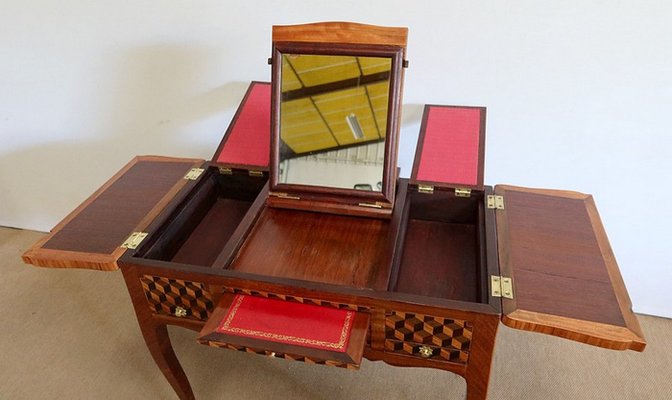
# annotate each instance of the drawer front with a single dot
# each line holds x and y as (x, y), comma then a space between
(428, 337)
(176, 297)
(306, 359)
(294, 331)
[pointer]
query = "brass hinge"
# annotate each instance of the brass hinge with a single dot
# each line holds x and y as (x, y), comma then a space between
(282, 195)
(501, 286)
(425, 189)
(134, 240)
(255, 173)
(225, 171)
(461, 192)
(495, 202)
(194, 173)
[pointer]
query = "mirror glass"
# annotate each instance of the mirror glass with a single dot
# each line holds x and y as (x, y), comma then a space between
(333, 120)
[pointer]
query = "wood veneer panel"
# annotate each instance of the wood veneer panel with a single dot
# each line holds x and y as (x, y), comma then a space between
(341, 32)
(566, 280)
(439, 260)
(315, 247)
(213, 232)
(91, 236)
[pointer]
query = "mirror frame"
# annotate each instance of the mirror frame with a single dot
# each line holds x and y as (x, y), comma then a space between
(339, 39)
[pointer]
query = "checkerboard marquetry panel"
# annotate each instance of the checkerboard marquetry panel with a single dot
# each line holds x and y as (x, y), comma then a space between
(449, 339)
(297, 299)
(285, 356)
(165, 295)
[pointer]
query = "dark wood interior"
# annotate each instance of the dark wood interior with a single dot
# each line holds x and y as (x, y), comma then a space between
(318, 247)
(200, 227)
(441, 255)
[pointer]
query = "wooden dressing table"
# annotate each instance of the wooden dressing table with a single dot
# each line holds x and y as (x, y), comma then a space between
(271, 249)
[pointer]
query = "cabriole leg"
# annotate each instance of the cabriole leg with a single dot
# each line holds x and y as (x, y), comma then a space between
(156, 337)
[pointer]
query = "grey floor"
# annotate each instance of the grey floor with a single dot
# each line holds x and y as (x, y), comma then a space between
(72, 334)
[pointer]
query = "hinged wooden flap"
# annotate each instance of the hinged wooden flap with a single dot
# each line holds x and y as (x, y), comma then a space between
(451, 148)
(286, 329)
(247, 141)
(565, 278)
(93, 234)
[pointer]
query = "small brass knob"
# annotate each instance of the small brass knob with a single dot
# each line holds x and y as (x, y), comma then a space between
(425, 352)
(180, 312)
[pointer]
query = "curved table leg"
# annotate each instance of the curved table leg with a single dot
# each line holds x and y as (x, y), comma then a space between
(480, 358)
(158, 343)
(156, 337)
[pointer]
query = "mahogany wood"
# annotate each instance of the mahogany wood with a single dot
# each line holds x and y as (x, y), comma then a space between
(91, 236)
(452, 224)
(197, 228)
(315, 247)
(566, 281)
(341, 32)
(156, 337)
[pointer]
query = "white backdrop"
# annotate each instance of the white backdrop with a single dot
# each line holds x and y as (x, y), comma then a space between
(578, 97)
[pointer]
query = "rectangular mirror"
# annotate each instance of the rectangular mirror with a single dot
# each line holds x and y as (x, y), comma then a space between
(335, 118)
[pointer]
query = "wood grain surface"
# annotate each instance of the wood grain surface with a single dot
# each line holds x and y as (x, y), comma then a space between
(91, 236)
(314, 247)
(341, 32)
(566, 280)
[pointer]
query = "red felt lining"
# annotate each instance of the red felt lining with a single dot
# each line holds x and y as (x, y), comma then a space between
(451, 146)
(249, 140)
(291, 323)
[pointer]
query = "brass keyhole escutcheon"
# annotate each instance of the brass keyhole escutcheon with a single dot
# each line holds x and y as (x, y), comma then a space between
(425, 352)
(180, 312)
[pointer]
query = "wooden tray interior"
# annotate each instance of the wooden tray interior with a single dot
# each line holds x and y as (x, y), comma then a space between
(337, 249)
(200, 227)
(441, 252)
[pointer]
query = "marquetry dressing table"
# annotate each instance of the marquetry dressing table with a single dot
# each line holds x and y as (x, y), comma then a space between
(298, 240)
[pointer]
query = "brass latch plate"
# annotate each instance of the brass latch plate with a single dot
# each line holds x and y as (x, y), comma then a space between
(426, 189)
(255, 173)
(501, 286)
(495, 202)
(460, 192)
(371, 205)
(194, 173)
(225, 171)
(134, 240)
(282, 195)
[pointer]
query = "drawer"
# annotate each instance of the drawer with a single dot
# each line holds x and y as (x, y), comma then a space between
(429, 337)
(176, 297)
(293, 331)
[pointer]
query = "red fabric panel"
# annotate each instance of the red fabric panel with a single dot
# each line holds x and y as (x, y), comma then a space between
(249, 141)
(450, 149)
(285, 322)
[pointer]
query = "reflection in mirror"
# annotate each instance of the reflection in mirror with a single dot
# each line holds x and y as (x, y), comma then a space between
(333, 120)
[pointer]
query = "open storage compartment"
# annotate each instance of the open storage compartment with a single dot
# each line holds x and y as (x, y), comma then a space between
(441, 243)
(198, 229)
(441, 251)
(209, 217)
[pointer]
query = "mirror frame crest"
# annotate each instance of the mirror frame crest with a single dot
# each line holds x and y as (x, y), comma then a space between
(338, 39)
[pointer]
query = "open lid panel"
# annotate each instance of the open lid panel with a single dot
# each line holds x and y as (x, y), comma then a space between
(451, 148)
(247, 142)
(100, 230)
(565, 280)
